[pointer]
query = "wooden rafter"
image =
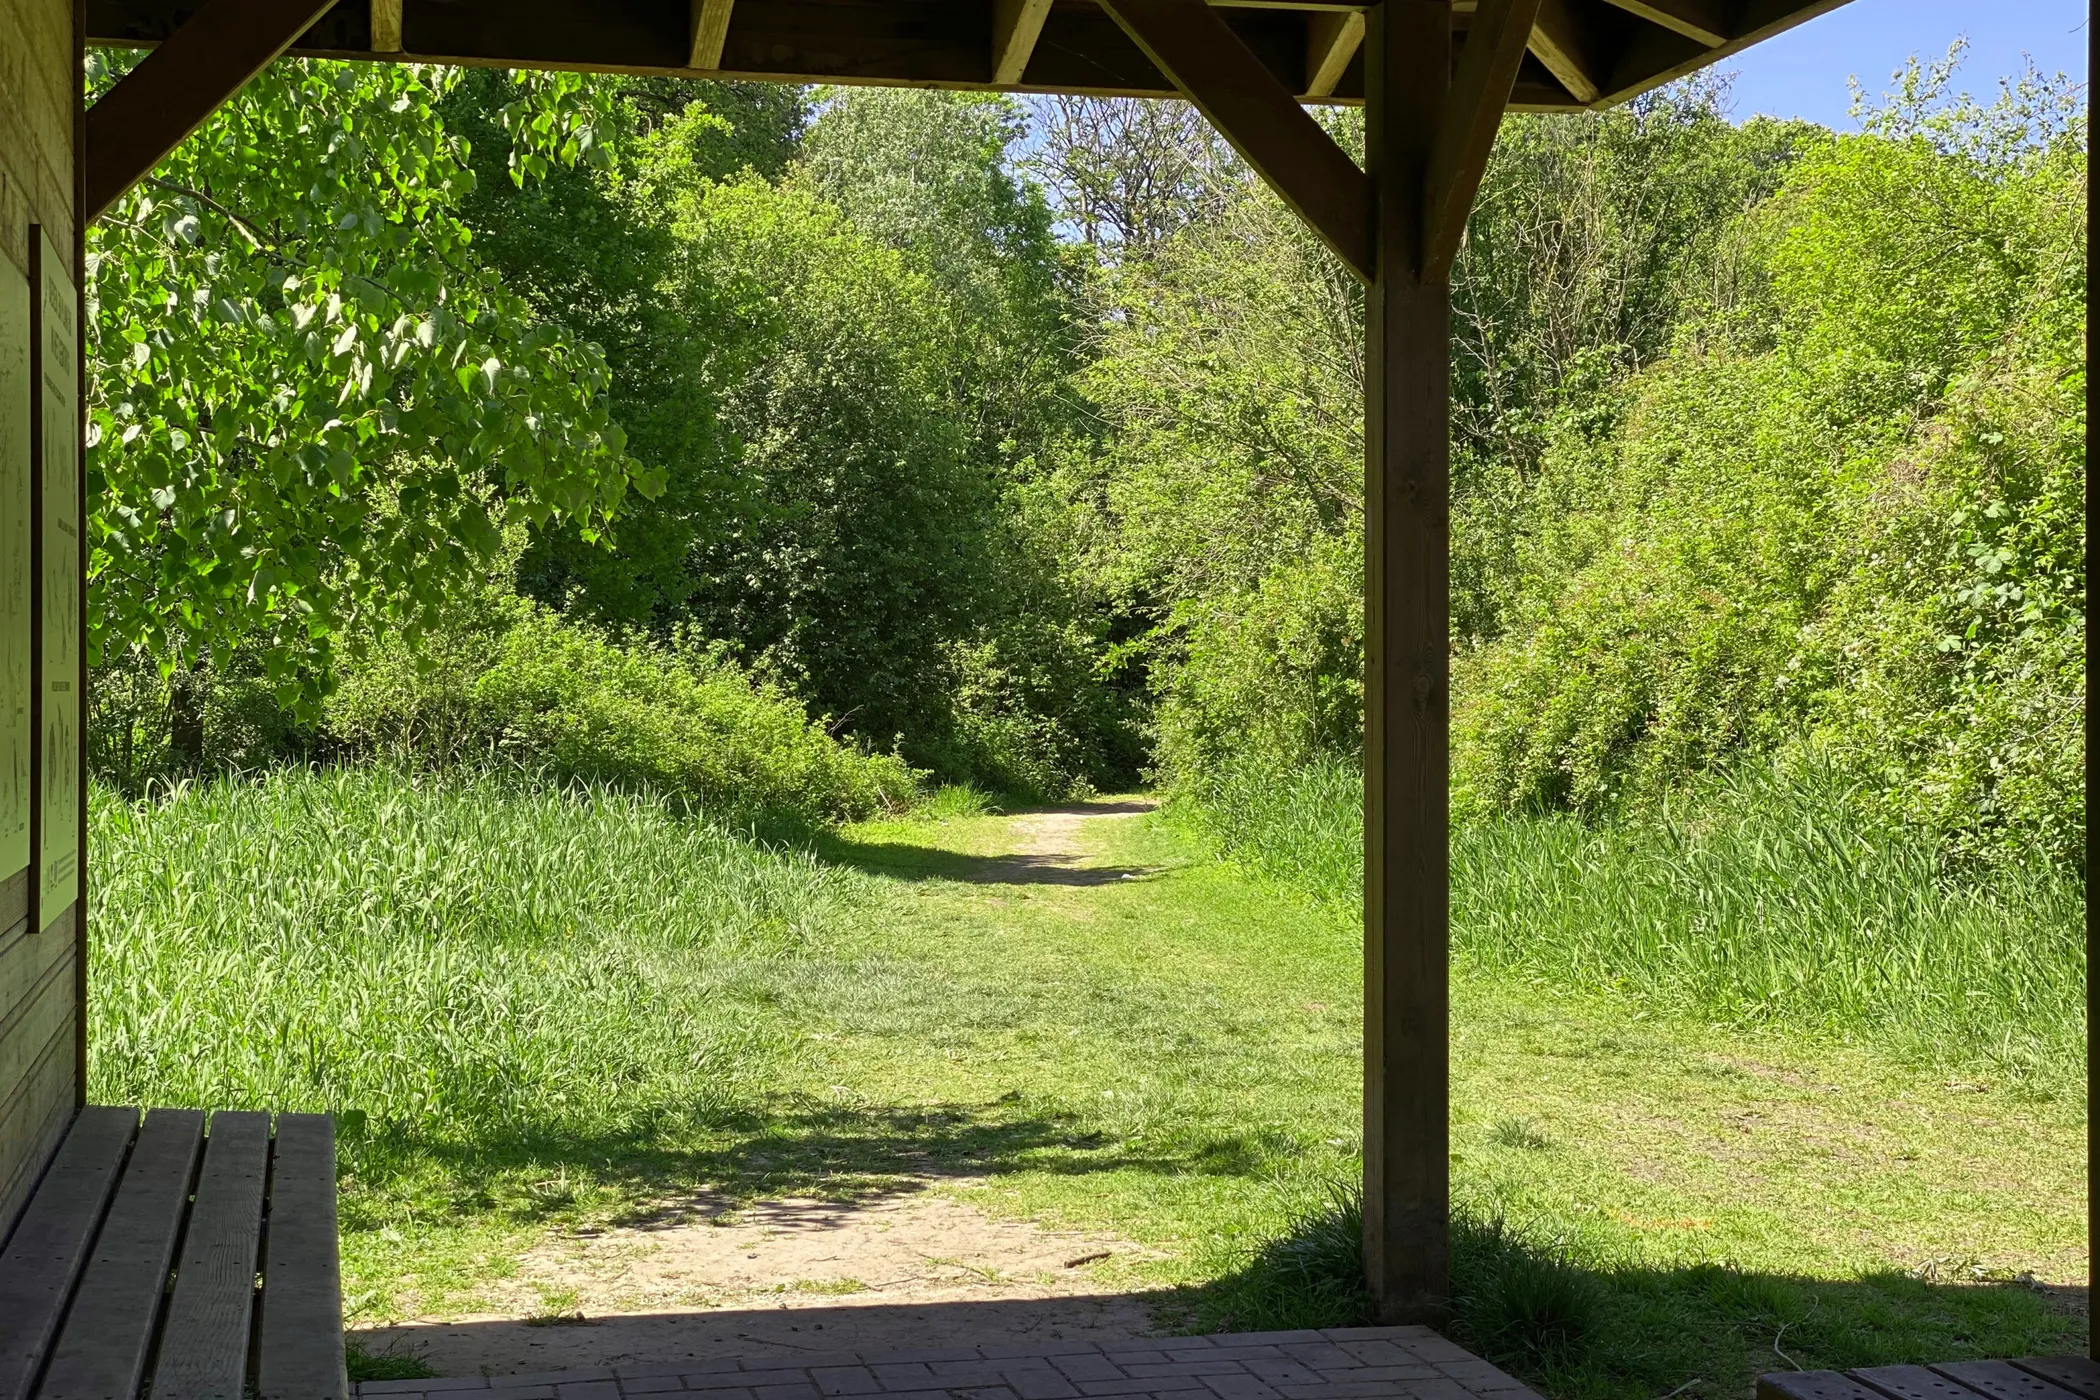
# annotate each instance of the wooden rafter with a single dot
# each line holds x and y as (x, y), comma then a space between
(1487, 68)
(386, 26)
(1192, 45)
(1694, 19)
(1332, 38)
(710, 31)
(176, 87)
(1559, 40)
(1016, 25)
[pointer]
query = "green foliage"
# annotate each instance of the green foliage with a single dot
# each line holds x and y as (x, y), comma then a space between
(508, 679)
(1865, 525)
(1762, 895)
(310, 404)
(456, 961)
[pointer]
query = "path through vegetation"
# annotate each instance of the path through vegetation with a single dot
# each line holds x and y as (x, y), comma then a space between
(1013, 1073)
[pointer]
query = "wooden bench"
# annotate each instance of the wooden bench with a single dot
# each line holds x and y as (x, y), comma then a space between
(199, 1267)
(2036, 1378)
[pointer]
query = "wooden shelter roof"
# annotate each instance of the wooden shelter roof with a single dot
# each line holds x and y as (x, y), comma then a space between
(1581, 53)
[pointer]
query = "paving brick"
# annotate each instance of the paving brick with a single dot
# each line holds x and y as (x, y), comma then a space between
(698, 1366)
(1184, 1343)
(1321, 1356)
(1270, 1339)
(1476, 1373)
(1390, 1334)
(1439, 1389)
(1378, 1351)
(1436, 1349)
(1229, 1349)
(1038, 1382)
(761, 1389)
(1284, 1372)
(499, 1391)
(844, 1380)
(406, 1387)
(1410, 1371)
(1351, 1390)
(1240, 1387)
(1088, 1366)
(904, 1375)
(975, 1371)
(650, 1385)
(607, 1389)
(1150, 1385)
(722, 1382)
(928, 1354)
(1044, 1349)
(1186, 1368)
(1122, 1353)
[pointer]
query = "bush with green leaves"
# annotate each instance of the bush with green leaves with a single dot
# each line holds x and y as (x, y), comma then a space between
(1848, 514)
(510, 681)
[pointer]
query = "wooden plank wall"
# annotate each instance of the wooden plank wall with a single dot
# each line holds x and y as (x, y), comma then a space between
(39, 968)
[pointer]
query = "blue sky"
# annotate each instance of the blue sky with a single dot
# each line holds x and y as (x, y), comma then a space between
(1802, 73)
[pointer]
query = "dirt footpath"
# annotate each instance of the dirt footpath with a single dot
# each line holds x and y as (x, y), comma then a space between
(785, 1276)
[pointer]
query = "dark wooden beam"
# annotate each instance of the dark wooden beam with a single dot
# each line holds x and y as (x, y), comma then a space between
(1699, 20)
(1407, 424)
(1473, 109)
(1560, 40)
(1332, 38)
(1016, 25)
(1192, 45)
(181, 83)
(1659, 56)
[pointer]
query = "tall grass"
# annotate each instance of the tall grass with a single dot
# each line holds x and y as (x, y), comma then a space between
(456, 959)
(1763, 895)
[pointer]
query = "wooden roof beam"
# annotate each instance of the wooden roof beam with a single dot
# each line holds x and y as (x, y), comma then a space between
(1016, 25)
(175, 88)
(1332, 38)
(1198, 52)
(386, 26)
(1702, 20)
(1487, 71)
(1561, 41)
(710, 31)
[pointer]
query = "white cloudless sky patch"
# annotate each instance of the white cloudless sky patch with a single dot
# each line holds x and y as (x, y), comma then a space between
(1803, 72)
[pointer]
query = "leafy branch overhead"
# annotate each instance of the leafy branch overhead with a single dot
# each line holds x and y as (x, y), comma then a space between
(311, 403)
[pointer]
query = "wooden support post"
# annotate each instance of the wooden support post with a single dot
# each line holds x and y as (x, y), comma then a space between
(134, 125)
(1407, 406)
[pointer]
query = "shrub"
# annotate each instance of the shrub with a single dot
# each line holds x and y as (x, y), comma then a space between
(511, 680)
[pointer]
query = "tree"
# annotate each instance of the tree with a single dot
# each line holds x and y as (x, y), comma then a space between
(311, 406)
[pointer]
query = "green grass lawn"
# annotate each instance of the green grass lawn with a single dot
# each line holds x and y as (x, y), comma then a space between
(536, 1011)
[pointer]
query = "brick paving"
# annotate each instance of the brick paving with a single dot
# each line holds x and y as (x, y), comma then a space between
(1355, 1363)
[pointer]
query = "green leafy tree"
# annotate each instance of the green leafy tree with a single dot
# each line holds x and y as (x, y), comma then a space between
(311, 406)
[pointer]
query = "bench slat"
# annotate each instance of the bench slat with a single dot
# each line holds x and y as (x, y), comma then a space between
(2077, 1374)
(300, 1354)
(50, 1245)
(204, 1345)
(1913, 1383)
(2003, 1381)
(101, 1354)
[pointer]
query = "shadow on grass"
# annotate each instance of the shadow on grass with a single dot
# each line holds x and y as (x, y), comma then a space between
(1577, 1327)
(669, 1165)
(894, 861)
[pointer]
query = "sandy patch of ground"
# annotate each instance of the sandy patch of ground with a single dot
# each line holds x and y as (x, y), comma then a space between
(1047, 848)
(898, 1273)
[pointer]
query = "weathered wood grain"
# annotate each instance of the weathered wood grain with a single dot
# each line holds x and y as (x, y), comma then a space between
(44, 1256)
(102, 1349)
(204, 1346)
(299, 1352)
